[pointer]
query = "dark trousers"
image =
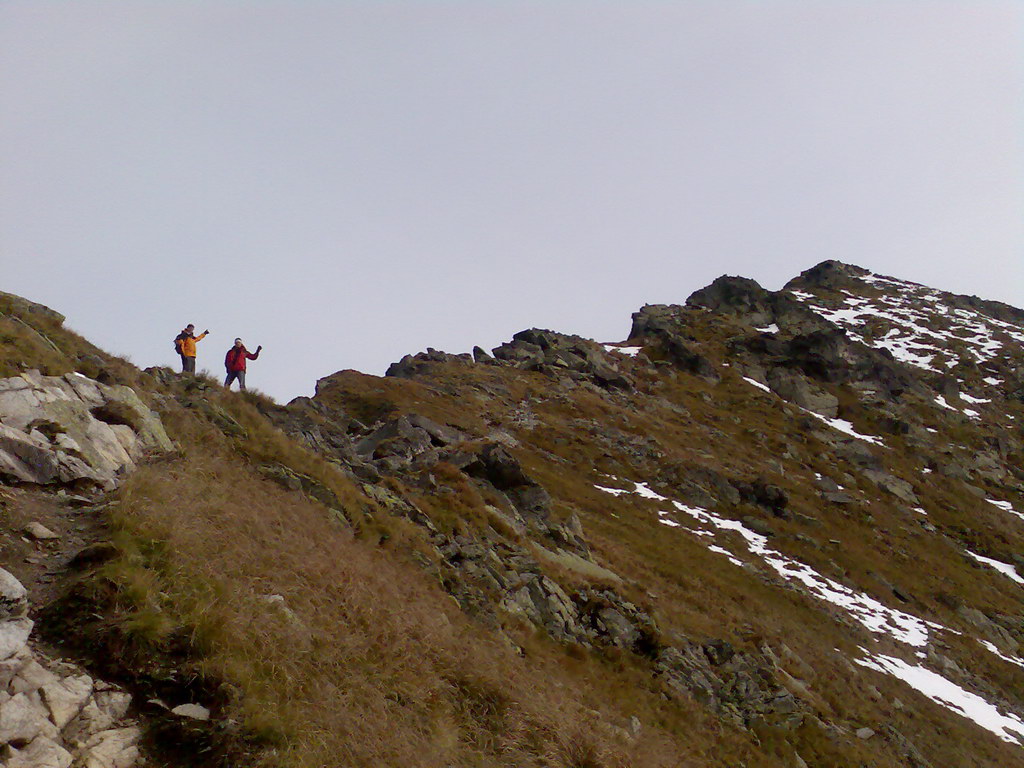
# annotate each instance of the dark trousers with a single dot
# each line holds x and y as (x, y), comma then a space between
(188, 364)
(238, 376)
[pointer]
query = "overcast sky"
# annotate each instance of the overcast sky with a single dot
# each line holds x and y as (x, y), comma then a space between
(348, 182)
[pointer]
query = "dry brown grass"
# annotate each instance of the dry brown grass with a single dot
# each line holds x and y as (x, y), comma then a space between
(369, 664)
(738, 431)
(30, 340)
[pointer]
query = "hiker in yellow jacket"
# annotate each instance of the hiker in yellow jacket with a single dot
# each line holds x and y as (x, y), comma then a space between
(185, 343)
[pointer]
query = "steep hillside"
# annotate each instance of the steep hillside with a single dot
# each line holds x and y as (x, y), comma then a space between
(767, 529)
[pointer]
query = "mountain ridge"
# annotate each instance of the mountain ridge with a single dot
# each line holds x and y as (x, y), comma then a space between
(796, 513)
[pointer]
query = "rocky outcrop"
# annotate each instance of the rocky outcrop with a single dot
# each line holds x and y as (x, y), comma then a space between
(555, 354)
(63, 429)
(664, 325)
(739, 296)
(745, 300)
(831, 274)
(53, 714)
(17, 306)
(744, 688)
(411, 366)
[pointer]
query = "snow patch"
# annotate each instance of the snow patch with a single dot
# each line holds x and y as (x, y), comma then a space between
(847, 428)
(1004, 568)
(627, 351)
(973, 400)
(991, 647)
(920, 328)
(872, 614)
(757, 384)
(612, 491)
(1006, 507)
(1008, 727)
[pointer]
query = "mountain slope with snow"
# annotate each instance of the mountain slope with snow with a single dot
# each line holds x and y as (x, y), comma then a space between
(767, 528)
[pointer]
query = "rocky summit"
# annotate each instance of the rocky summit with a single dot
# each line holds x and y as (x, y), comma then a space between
(765, 529)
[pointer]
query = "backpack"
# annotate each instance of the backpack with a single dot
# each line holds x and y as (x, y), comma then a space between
(177, 343)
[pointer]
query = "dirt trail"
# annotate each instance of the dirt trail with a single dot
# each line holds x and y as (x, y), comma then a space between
(40, 564)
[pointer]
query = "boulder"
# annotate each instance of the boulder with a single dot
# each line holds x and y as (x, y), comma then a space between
(13, 596)
(411, 366)
(738, 296)
(564, 355)
(899, 488)
(22, 719)
(573, 562)
(14, 635)
(114, 748)
(59, 429)
(829, 274)
(544, 603)
(665, 324)
(66, 697)
(192, 711)
(11, 667)
(792, 386)
(15, 305)
(100, 713)
(31, 677)
(41, 752)
(40, 532)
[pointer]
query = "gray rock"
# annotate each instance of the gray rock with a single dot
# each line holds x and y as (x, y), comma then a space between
(58, 429)
(193, 711)
(66, 698)
(10, 668)
(573, 562)
(10, 303)
(865, 733)
(13, 636)
(22, 719)
(901, 489)
(757, 525)
(13, 596)
(42, 752)
(993, 631)
(114, 748)
(839, 497)
(635, 726)
(827, 484)
(31, 677)
(40, 532)
(100, 713)
(619, 630)
(739, 296)
(792, 386)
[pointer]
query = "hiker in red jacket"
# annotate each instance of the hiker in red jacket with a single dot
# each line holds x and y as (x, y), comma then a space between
(234, 361)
